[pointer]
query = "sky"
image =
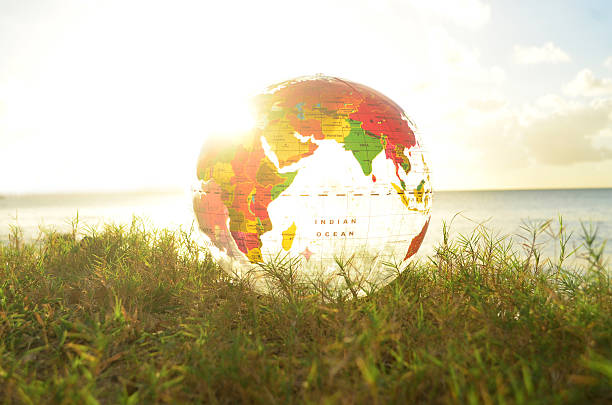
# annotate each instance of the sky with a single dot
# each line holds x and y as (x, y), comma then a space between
(120, 95)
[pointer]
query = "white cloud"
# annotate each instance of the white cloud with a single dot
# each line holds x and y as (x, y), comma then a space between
(550, 131)
(608, 62)
(472, 14)
(455, 60)
(565, 132)
(550, 142)
(486, 104)
(547, 53)
(586, 84)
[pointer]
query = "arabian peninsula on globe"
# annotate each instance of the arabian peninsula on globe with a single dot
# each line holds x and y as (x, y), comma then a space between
(332, 172)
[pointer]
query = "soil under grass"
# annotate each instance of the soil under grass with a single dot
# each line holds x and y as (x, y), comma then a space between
(128, 315)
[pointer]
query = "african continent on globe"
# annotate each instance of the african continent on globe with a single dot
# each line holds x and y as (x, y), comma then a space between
(332, 172)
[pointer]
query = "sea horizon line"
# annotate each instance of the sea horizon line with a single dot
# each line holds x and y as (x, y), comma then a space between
(178, 190)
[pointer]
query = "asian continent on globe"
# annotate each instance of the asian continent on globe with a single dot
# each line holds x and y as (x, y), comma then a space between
(331, 171)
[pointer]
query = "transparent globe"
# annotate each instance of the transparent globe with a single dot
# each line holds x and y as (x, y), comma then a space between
(333, 181)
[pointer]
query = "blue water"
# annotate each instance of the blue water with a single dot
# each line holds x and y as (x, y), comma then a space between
(501, 211)
(504, 212)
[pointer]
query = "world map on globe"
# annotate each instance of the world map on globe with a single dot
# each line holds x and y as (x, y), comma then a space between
(332, 170)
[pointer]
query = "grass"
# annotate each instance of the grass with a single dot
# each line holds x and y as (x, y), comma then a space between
(128, 315)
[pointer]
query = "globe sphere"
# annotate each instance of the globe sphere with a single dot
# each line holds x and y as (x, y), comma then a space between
(332, 182)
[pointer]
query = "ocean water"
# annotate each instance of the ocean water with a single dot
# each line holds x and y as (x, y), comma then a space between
(35, 213)
(502, 212)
